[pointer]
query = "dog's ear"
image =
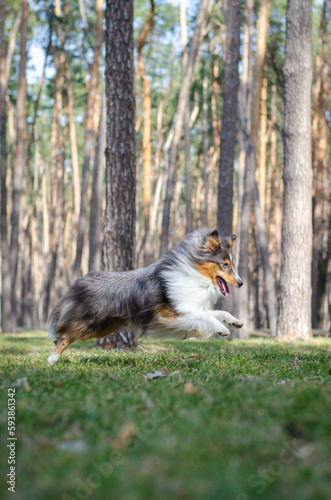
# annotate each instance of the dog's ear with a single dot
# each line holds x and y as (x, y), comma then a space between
(214, 234)
(212, 242)
(231, 240)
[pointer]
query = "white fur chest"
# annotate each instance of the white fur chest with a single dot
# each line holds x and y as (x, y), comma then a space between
(189, 290)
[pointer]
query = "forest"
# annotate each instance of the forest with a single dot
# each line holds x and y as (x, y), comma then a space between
(210, 143)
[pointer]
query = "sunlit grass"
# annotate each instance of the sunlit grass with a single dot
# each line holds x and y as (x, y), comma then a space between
(232, 420)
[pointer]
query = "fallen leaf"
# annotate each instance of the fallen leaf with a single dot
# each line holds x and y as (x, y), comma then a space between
(77, 446)
(156, 374)
(190, 389)
(126, 433)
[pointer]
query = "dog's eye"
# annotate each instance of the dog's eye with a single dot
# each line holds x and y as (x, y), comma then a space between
(225, 266)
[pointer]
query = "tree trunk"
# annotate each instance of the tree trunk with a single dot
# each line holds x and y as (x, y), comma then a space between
(146, 139)
(120, 214)
(88, 139)
(19, 161)
(273, 208)
(269, 282)
(56, 177)
(205, 9)
(319, 158)
(187, 139)
(294, 320)
(6, 319)
(205, 139)
(229, 115)
(73, 143)
(250, 146)
(263, 145)
(245, 97)
(97, 190)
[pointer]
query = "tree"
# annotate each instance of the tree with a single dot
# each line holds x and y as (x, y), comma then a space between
(229, 114)
(146, 139)
(204, 12)
(319, 160)
(97, 191)
(19, 162)
(6, 317)
(120, 213)
(88, 138)
(294, 319)
(250, 138)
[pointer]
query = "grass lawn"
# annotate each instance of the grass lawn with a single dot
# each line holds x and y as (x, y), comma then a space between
(233, 420)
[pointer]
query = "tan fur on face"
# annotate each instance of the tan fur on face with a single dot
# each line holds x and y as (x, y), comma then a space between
(211, 271)
(228, 277)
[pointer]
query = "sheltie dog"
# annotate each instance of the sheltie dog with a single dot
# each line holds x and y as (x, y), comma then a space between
(171, 298)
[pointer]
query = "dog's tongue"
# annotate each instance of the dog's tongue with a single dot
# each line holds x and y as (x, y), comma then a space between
(223, 286)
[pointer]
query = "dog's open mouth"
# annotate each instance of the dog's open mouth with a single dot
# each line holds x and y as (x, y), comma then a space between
(223, 286)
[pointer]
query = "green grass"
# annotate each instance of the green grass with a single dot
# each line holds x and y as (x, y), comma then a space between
(242, 420)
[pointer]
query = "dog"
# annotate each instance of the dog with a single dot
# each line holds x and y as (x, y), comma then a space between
(173, 297)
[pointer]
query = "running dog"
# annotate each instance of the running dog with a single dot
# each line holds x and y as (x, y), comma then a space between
(173, 297)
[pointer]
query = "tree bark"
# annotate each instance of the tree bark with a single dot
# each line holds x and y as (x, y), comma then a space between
(245, 97)
(273, 209)
(88, 139)
(187, 141)
(120, 213)
(294, 319)
(229, 114)
(205, 138)
(73, 143)
(263, 144)
(250, 156)
(97, 190)
(205, 9)
(319, 160)
(6, 319)
(56, 177)
(146, 139)
(19, 161)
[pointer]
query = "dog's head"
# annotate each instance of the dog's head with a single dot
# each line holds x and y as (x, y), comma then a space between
(217, 261)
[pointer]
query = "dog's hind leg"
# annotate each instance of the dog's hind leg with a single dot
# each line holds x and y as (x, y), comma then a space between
(61, 345)
(227, 319)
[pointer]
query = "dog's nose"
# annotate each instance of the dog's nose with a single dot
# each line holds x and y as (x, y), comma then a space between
(240, 283)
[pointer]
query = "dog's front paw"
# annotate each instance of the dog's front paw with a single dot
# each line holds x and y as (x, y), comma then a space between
(222, 334)
(237, 323)
(224, 331)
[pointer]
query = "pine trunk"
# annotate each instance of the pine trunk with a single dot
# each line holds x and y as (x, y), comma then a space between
(88, 139)
(250, 137)
(294, 320)
(319, 157)
(146, 139)
(6, 319)
(120, 214)
(205, 9)
(229, 115)
(187, 139)
(97, 190)
(19, 161)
